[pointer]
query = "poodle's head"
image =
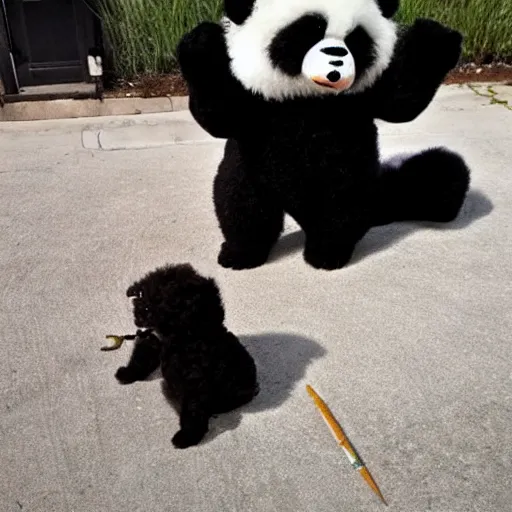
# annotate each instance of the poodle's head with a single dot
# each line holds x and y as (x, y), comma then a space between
(175, 296)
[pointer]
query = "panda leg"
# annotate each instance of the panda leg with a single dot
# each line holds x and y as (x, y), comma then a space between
(335, 229)
(427, 186)
(249, 218)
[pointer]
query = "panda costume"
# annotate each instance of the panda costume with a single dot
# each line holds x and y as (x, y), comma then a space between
(295, 87)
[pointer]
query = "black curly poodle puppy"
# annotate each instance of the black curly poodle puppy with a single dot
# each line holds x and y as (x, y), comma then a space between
(206, 369)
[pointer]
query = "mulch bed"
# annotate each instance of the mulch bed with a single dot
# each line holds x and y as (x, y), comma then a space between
(151, 86)
(485, 73)
(174, 85)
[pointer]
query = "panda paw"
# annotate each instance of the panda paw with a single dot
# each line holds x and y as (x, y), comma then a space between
(199, 50)
(323, 258)
(437, 47)
(236, 259)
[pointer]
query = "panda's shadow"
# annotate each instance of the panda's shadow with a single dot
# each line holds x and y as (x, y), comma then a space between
(476, 206)
(288, 244)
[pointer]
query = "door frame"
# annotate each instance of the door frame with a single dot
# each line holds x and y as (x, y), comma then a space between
(7, 70)
(54, 72)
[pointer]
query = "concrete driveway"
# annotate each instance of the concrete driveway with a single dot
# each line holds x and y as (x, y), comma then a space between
(410, 345)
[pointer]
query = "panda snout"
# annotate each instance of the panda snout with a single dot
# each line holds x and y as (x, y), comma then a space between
(330, 65)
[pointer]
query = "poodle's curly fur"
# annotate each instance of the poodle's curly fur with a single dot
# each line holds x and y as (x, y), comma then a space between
(180, 316)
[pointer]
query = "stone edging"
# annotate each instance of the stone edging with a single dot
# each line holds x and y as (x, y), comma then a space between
(69, 109)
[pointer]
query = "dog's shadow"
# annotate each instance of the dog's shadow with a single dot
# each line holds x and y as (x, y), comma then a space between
(281, 361)
(476, 206)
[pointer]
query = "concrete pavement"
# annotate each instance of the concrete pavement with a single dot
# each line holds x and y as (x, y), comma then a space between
(410, 345)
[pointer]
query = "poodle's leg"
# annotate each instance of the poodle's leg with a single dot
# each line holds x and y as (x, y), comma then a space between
(194, 418)
(250, 219)
(144, 360)
(332, 235)
(428, 186)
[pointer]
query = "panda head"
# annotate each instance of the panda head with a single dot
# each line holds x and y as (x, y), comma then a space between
(291, 48)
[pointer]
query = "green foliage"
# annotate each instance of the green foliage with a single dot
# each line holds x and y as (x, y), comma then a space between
(485, 24)
(144, 33)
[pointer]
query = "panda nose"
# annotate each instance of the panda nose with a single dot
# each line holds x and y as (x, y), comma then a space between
(330, 65)
(333, 76)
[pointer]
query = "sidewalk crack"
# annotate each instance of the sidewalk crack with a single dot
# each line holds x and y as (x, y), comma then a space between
(492, 96)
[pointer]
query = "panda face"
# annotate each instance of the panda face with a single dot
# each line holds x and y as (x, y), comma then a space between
(291, 48)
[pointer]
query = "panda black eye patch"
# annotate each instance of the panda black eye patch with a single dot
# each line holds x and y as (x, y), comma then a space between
(290, 45)
(362, 47)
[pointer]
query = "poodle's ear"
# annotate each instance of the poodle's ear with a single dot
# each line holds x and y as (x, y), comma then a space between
(134, 290)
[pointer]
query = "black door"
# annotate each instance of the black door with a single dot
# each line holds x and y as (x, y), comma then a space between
(50, 40)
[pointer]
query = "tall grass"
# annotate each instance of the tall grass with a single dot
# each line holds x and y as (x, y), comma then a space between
(144, 33)
(485, 24)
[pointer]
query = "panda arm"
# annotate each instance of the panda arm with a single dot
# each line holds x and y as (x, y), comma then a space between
(215, 97)
(424, 54)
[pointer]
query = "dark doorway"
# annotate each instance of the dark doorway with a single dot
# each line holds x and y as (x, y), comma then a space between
(50, 40)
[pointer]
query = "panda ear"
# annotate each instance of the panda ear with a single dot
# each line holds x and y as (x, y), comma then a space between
(238, 10)
(388, 7)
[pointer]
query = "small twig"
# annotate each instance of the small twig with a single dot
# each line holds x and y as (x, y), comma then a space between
(118, 341)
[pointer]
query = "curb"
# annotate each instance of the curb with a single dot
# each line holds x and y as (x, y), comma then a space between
(74, 108)
(77, 108)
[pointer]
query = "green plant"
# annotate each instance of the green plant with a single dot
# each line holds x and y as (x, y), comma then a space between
(144, 33)
(485, 24)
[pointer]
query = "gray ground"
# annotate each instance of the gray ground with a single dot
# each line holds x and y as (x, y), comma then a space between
(409, 345)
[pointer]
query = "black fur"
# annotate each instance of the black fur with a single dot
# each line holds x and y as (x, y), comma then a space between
(202, 52)
(425, 52)
(206, 369)
(406, 192)
(238, 10)
(317, 159)
(388, 7)
(290, 45)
